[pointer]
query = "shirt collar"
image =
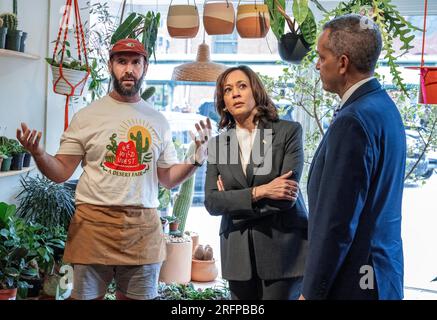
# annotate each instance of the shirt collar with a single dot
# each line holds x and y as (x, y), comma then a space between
(352, 89)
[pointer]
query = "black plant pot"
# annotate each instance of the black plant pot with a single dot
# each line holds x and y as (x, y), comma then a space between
(35, 289)
(27, 158)
(293, 48)
(23, 41)
(3, 33)
(17, 161)
(13, 40)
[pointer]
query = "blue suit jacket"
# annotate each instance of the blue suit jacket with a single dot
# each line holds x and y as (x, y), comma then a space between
(355, 189)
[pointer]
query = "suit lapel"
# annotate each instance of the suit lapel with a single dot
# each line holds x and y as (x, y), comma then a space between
(235, 168)
(263, 141)
(366, 88)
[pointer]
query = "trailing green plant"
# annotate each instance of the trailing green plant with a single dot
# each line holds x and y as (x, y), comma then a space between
(68, 61)
(45, 202)
(391, 24)
(10, 21)
(189, 292)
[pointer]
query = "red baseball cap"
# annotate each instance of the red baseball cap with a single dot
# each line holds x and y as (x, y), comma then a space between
(128, 45)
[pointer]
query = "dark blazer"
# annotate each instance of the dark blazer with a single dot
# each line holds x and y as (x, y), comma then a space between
(277, 229)
(355, 189)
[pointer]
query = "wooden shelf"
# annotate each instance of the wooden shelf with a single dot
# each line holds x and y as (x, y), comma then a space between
(15, 172)
(16, 54)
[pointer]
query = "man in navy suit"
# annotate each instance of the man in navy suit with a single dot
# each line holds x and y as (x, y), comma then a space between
(355, 181)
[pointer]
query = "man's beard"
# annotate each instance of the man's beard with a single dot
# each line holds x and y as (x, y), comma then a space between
(122, 90)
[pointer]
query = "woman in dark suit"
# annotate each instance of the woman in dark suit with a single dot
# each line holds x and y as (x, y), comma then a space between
(253, 171)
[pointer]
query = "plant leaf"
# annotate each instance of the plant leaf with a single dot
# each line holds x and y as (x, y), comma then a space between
(300, 10)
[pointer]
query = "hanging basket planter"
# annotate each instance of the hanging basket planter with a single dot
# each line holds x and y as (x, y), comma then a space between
(253, 20)
(182, 21)
(71, 83)
(69, 79)
(218, 17)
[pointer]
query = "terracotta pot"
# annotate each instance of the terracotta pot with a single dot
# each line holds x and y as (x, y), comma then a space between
(174, 226)
(183, 21)
(8, 294)
(203, 270)
(219, 17)
(428, 85)
(253, 20)
(177, 266)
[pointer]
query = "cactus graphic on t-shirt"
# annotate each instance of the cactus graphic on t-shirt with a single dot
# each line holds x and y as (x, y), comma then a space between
(133, 153)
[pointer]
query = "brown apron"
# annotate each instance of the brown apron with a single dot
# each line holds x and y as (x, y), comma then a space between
(114, 236)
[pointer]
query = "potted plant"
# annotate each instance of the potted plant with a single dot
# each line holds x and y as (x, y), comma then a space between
(13, 37)
(295, 44)
(177, 266)
(69, 78)
(17, 152)
(15, 261)
(6, 157)
(3, 33)
(45, 202)
(203, 268)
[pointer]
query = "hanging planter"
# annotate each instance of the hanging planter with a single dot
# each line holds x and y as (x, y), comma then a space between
(218, 17)
(69, 75)
(293, 48)
(428, 75)
(182, 21)
(71, 83)
(253, 20)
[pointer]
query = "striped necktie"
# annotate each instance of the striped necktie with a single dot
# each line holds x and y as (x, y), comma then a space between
(336, 110)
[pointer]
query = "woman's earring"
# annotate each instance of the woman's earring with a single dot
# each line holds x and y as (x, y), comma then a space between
(225, 109)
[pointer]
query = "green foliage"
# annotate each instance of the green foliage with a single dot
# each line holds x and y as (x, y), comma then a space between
(67, 61)
(391, 24)
(303, 24)
(422, 119)
(14, 7)
(150, 91)
(45, 202)
(185, 195)
(277, 20)
(15, 260)
(164, 197)
(141, 27)
(189, 292)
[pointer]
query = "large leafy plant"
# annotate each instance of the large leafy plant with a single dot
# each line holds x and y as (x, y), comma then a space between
(45, 202)
(15, 260)
(303, 22)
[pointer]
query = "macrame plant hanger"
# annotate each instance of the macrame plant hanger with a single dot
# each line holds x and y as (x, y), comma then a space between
(428, 75)
(80, 39)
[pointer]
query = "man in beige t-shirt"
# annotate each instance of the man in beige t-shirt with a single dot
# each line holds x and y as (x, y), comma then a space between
(126, 149)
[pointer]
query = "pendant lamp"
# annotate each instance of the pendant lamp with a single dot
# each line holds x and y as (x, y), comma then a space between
(201, 70)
